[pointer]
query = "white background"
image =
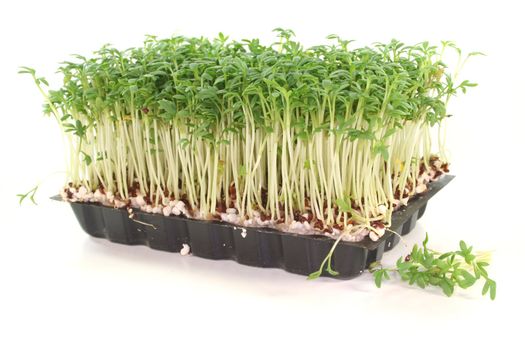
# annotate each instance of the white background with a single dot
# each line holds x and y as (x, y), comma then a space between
(62, 289)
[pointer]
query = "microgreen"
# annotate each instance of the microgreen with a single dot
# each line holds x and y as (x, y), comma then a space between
(329, 130)
(326, 265)
(29, 194)
(426, 267)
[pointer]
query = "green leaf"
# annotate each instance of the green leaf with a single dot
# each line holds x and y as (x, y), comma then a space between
(390, 132)
(378, 278)
(489, 286)
(65, 117)
(468, 280)
(327, 84)
(26, 70)
(428, 261)
(208, 93)
(486, 287)
(22, 197)
(168, 106)
(343, 205)
(441, 264)
(493, 290)
(420, 281)
(87, 158)
(445, 255)
(382, 150)
(43, 81)
(306, 164)
(425, 241)
(447, 288)
(476, 53)
(314, 275)
(469, 258)
(415, 253)
(330, 271)
(242, 170)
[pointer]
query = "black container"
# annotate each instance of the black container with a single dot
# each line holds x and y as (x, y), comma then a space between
(255, 246)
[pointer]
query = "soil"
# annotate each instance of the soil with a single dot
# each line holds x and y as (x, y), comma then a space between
(433, 172)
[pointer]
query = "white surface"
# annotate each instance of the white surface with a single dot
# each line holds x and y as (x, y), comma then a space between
(61, 289)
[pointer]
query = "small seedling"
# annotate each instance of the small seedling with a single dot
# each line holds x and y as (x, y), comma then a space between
(424, 266)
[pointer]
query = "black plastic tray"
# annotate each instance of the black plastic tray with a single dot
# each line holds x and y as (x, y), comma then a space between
(263, 247)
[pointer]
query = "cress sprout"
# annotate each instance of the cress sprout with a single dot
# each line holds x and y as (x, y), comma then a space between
(327, 139)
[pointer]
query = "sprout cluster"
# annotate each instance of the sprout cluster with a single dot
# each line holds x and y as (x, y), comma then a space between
(331, 135)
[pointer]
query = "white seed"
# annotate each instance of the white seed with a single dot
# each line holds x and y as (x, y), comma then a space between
(185, 249)
(119, 204)
(355, 236)
(82, 191)
(233, 218)
(231, 211)
(166, 211)
(140, 201)
(99, 197)
(243, 232)
(156, 210)
(263, 222)
(296, 226)
(180, 205)
(362, 232)
(175, 211)
(421, 188)
(373, 236)
(382, 209)
(133, 202)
